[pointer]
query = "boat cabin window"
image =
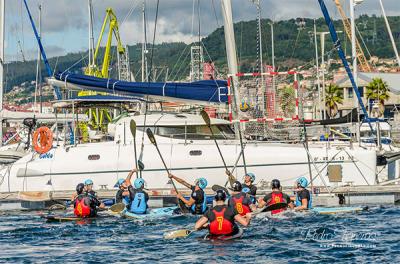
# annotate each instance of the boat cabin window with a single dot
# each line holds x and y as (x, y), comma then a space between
(197, 132)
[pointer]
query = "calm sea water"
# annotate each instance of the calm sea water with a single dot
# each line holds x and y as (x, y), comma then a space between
(367, 237)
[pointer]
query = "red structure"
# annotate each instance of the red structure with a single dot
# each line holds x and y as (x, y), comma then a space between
(208, 71)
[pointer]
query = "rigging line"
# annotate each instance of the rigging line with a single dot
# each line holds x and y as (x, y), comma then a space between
(215, 13)
(209, 56)
(362, 40)
(151, 66)
(199, 21)
(182, 64)
(131, 10)
(295, 44)
(179, 58)
(180, 67)
(192, 31)
(83, 58)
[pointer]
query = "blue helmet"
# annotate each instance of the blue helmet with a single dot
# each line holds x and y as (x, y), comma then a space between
(251, 175)
(302, 181)
(202, 183)
(88, 182)
(138, 183)
(119, 183)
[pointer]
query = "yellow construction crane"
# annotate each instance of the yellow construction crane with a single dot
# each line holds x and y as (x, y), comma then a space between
(93, 69)
(364, 65)
(100, 117)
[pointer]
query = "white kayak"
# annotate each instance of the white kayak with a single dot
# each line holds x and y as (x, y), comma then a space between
(338, 210)
(152, 213)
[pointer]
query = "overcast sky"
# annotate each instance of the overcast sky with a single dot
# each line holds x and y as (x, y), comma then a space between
(65, 22)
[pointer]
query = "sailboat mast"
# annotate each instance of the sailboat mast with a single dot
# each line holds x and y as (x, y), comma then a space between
(2, 21)
(91, 37)
(231, 49)
(144, 48)
(38, 70)
(390, 33)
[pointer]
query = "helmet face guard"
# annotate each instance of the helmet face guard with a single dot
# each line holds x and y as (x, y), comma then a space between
(139, 183)
(251, 175)
(88, 182)
(275, 184)
(201, 182)
(237, 186)
(302, 182)
(220, 195)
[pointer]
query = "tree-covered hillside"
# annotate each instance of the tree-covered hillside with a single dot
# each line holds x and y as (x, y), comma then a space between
(294, 46)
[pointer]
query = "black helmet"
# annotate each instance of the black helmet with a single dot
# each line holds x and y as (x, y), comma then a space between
(79, 188)
(220, 195)
(237, 186)
(275, 184)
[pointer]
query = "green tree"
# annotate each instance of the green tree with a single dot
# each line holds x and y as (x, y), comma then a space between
(378, 91)
(333, 97)
(287, 100)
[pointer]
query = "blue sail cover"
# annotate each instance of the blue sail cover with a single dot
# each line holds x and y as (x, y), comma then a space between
(214, 91)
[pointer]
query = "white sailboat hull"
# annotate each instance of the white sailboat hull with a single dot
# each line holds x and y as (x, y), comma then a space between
(63, 168)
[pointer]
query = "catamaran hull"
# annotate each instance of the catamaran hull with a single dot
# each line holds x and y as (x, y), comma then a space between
(63, 168)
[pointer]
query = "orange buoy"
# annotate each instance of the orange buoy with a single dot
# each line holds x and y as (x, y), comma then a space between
(42, 140)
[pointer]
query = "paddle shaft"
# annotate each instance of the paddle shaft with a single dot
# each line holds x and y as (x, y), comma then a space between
(136, 161)
(242, 149)
(165, 166)
(219, 150)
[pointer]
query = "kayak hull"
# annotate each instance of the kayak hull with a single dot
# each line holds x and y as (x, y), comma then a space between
(223, 237)
(337, 210)
(63, 218)
(152, 214)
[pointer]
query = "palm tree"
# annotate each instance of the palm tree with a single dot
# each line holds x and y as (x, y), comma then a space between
(378, 91)
(287, 100)
(333, 97)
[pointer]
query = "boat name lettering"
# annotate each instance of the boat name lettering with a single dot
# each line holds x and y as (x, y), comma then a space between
(94, 157)
(46, 156)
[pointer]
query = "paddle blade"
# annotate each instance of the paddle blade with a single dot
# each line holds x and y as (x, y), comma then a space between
(133, 128)
(140, 165)
(178, 234)
(206, 118)
(216, 187)
(117, 208)
(275, 207)
(151, 136)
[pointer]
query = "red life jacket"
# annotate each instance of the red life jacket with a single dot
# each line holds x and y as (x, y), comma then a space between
(220, 225)
(241, 208)
(277, 198)
(82, 206)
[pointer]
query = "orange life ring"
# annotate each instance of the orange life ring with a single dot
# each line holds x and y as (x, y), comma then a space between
(42, 140)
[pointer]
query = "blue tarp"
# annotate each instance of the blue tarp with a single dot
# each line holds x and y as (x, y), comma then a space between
(208, 90)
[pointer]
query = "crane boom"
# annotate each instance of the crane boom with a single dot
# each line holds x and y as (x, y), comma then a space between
(364, 65)
(94, 70)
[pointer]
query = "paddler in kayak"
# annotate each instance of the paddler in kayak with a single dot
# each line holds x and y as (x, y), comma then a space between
(85, 205)
(240, 200)
(197, 203)
(303, 199)
(79, 189)
(249, 187)
(137, 196)
(222, 218)
(274, 197)
(88, 190)
(122, 195)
